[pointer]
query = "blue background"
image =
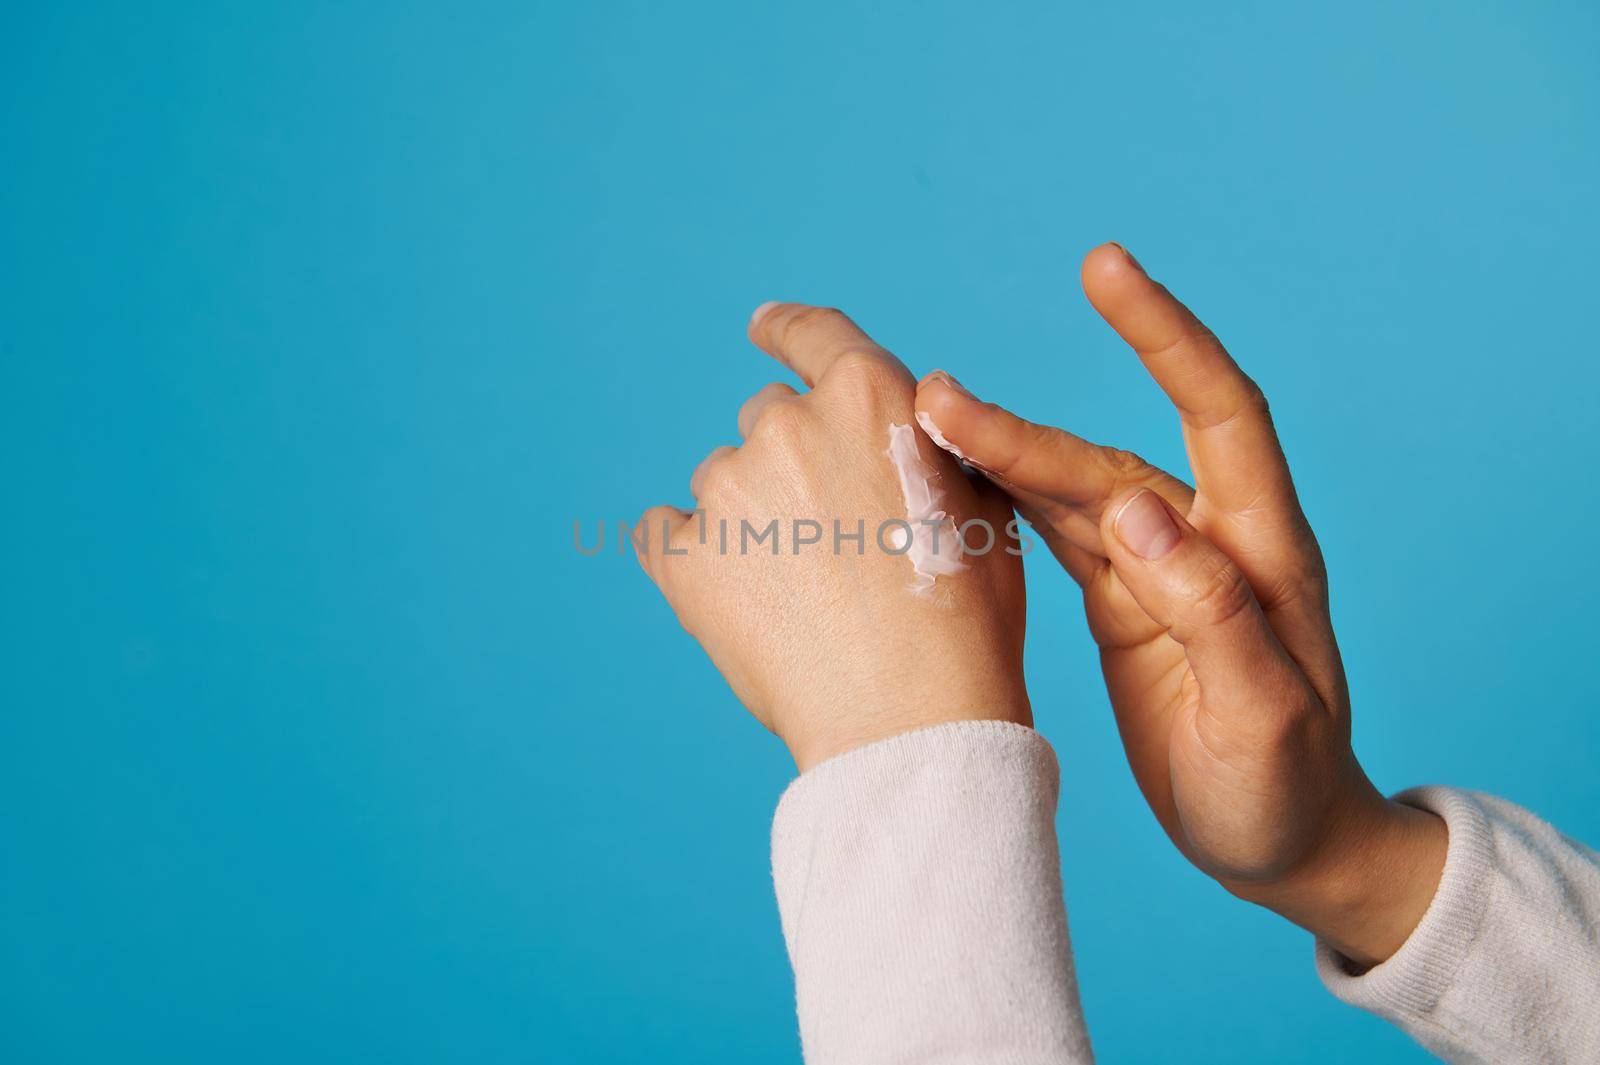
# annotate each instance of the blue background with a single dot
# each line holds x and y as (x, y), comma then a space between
(321, 324)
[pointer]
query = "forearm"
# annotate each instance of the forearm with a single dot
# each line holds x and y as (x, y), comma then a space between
(920, 891)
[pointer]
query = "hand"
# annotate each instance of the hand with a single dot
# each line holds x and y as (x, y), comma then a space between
(828, 643)
(1210, 607)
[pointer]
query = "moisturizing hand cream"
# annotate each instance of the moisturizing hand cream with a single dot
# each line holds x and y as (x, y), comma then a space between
(935, 545)
(937, 437)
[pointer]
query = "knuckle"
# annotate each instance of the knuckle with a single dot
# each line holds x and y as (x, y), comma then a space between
(782, 421)
(807, 319)
(1012, 450)
(1305, 582)
(1243, 402)
(1221, 594)
(1188, 345)
(1123, 465)
(858, 366)
(1253, 397)
(865, 376)
(1253, 401)
(718, 481)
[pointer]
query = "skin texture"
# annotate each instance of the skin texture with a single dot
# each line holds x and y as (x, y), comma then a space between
(833, 650)
(1210, 608)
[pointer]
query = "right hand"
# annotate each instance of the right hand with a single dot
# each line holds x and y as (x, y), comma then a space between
(1210, 607)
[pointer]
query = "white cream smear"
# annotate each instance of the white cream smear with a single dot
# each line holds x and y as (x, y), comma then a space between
(937, 437)
(935, 547)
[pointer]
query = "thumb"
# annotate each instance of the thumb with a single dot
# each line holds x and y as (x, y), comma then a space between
(1187, 584)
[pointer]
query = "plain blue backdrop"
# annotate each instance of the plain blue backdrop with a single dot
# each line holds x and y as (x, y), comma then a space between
(320, 324)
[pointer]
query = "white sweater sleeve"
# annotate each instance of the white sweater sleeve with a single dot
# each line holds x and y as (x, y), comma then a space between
(1505, 964)
(919, 887)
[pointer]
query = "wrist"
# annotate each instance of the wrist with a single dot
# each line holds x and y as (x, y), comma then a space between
(811, 747)
(1365, 888)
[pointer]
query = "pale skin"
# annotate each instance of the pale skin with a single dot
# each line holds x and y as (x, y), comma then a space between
(834, 650)
(1209, 604)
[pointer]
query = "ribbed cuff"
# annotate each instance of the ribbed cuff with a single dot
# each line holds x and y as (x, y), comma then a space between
(867, 764)
(1410, 983)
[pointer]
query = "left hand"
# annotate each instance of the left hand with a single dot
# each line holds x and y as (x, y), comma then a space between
(824, 639)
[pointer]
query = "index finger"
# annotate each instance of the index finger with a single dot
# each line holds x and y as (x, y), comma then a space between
(809, 340)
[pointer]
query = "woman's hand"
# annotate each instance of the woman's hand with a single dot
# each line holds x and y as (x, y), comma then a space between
(827, 642)
(1210, 607)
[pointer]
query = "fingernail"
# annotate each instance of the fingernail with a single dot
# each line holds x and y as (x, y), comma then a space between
(1145, 528)
(1128, 255)
(940, 375)
(755, 315)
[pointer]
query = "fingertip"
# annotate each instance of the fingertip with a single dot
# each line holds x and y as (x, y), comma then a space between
(938, 390)
(756, 315)
(944, 408)
(940, 401)
(948, 380)
(1108, 266)
(1143, 523)
(1116, 503)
